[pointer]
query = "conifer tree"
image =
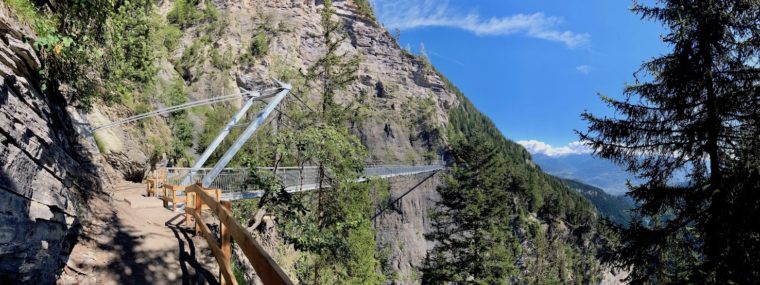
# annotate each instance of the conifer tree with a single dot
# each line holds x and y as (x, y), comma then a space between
(472, 226)
(334, 227)
(691, 111)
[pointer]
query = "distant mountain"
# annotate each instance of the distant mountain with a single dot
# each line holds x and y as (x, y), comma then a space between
(587, 169)
(616, 208)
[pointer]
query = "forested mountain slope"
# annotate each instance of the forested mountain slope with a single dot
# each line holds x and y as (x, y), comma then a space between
(551, 235)
(616, 208)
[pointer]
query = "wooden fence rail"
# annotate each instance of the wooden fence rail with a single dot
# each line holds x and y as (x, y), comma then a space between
(266, 268)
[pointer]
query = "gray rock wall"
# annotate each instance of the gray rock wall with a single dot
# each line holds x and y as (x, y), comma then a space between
(401, 226)
(43, 167)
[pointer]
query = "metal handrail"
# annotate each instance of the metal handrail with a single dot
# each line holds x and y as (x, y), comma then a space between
(233, 180)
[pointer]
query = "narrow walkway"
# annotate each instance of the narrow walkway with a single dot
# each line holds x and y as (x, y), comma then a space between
(142, 245)
(232, 180)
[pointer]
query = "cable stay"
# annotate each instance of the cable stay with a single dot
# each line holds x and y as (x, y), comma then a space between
(255, 95)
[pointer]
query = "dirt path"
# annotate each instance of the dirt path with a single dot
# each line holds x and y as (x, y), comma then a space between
(145, 245)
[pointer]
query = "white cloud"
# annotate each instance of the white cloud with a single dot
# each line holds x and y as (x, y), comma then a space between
(539, 147)
(585, 69)
(410, 14)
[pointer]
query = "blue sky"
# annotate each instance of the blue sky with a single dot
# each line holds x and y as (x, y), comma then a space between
(532, 66)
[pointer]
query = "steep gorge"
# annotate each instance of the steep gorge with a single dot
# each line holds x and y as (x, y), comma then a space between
(410, 113)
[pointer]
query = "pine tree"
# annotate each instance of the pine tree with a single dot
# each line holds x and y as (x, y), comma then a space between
(472, 226)
(333, 225)
(694, 113)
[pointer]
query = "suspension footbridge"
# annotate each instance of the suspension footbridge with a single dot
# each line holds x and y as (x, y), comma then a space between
(233, 186)
(213, 188)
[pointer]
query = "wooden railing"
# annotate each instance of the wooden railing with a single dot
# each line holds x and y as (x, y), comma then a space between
(266, 268)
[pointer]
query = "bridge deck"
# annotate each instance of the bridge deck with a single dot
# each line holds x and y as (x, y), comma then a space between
(232, 180)
(372, 172)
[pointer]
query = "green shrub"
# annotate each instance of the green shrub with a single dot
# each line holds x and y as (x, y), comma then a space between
(141, 108)
(365, 8)
(259, 45)
(183, 130)
(169, 36)
(238, 273)
(156, 147)
(28, 13)
(184, 13)
(100, 48)
(221, 61)
(211, 12)
(174, 94)
(130, 63)
(100, 143)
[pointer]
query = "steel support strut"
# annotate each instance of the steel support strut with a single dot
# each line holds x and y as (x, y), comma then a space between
(220, 137)
(260, 118)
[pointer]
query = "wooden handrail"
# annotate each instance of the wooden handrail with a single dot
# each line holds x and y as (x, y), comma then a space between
(266, 268)
(224, 265)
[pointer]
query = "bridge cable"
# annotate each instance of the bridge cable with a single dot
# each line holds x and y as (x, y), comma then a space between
(180, 107)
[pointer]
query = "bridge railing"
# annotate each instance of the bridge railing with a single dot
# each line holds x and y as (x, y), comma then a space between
(266, 268)
(232, 180)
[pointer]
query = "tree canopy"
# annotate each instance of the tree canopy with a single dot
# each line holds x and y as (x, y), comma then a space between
(693, 110)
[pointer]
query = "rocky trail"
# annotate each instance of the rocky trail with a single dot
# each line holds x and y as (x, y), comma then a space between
(138, 243)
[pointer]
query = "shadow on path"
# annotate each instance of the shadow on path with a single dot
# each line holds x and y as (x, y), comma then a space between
(187, 256)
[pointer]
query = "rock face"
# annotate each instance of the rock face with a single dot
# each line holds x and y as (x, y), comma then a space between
(44, 168)
(401, 226)
(394, 85)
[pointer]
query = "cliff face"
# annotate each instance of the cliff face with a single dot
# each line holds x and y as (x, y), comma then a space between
(401, 226)
(397, 88)
(45, 170)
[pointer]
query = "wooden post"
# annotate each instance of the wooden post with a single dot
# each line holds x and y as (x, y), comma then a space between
(266, 268)
(174, 199)
(187, 208)
(225, 239)
(198, 208)
(165, 197)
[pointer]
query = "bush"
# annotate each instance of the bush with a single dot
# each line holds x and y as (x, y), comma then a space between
(131, 60)
(100, 143)
(183, 130)
(169, 37)
(221, 61)
(98, 47)
(259, 45)
(28, 13)
(175, 93)
(190, 57)
(184, 13)
(365, 8)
